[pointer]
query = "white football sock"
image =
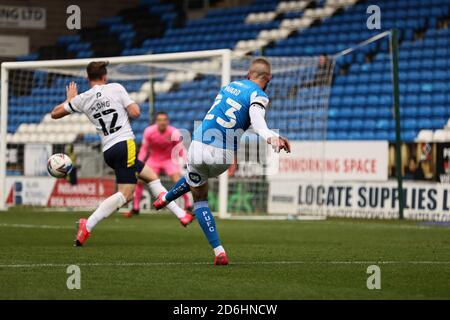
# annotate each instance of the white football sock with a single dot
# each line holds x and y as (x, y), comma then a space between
(104, 210)
(156, 188)
(218, 250)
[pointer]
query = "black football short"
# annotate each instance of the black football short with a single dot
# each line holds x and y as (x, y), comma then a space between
(122, 158)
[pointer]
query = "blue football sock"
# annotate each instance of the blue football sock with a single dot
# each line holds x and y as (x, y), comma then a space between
(206, 221)
(180, 188)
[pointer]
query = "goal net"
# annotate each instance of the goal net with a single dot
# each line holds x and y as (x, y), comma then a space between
(182, 84)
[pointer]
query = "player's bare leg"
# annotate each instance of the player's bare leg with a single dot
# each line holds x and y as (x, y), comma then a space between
(104, 210)
(207, 222)
(137, 199)
(187, 202)
(157, 190)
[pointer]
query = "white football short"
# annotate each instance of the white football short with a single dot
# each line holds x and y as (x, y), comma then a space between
(206, 161)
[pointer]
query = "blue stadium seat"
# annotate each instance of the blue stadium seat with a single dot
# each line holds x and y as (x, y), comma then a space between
(360, 105)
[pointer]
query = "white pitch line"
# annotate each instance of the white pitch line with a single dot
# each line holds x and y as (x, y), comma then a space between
(56, 227)
(150, 264)
(34, 226)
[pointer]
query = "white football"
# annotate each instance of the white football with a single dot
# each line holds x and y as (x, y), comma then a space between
(59, 165)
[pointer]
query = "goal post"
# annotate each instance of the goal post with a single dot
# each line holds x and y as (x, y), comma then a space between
(224, 55)
(3, 131)
(223, 178)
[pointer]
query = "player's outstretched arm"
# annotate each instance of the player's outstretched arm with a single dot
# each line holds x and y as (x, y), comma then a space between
(60, 110)
(259, 124)
(133, 110)
(279, 143)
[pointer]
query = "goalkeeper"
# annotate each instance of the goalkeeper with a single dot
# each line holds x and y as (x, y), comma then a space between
(162, 150)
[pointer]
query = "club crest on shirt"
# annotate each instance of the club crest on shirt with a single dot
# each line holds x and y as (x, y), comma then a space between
(195, 177)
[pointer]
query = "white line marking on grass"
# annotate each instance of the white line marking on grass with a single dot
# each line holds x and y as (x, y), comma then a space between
(150, 264)
(56, 227)
(377, 225)
(34, 226)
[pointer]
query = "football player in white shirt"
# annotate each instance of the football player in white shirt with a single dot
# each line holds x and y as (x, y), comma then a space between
(109, 107)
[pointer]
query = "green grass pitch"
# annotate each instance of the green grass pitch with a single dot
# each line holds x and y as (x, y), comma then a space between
(153, 257)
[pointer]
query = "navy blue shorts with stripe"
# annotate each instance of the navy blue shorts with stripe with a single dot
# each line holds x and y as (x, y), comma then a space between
(122, 158)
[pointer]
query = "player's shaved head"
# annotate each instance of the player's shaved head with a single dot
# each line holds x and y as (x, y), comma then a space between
(260, 71)
(96, 70)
